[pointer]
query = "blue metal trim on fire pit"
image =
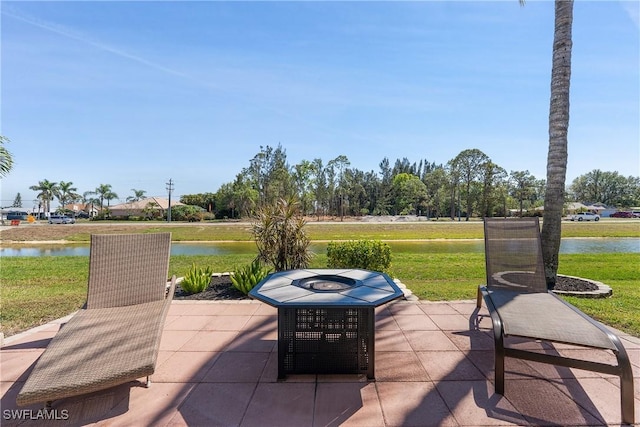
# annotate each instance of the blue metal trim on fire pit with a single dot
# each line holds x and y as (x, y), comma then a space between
(370, 289)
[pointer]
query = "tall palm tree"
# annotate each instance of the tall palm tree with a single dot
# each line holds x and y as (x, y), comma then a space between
(46, 192)
(6, 159)
(109, 196)
(66, 193)
(102, 191)
(558, 128)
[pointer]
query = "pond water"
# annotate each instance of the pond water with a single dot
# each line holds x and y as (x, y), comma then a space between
(568, 246)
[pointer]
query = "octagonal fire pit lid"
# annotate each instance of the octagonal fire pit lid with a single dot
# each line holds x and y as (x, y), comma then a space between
(326, 287)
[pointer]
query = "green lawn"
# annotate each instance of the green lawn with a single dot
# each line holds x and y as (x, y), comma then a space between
(37, 290)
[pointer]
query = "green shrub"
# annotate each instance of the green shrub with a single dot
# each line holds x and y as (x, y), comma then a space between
(246, 278)
(196, 280)
(279, 233)
(366, 254)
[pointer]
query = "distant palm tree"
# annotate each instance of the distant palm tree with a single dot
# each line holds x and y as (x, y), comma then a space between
(47, 190)
(103, 191)
(6, 159)
(66, 193)
(137, 195)
(109, 196)
(558, 128)
(88, 200)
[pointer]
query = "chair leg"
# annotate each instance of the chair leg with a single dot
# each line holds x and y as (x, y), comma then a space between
(499, 369)
(479, 298)
(148, 383)
(626, 395)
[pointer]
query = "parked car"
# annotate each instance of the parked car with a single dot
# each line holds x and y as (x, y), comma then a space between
(61, 219)
(636, 214)
(82, 214)
(585, 216)
(622, 214)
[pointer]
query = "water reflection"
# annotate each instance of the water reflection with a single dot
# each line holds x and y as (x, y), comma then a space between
(568, 246)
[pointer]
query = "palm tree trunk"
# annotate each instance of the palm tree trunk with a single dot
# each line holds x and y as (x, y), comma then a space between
(558, 129)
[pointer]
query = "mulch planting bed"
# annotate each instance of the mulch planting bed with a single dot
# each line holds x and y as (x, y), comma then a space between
(221, 289)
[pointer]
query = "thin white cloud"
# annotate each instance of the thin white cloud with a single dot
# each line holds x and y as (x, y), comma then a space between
(633, 10)
(67, 32)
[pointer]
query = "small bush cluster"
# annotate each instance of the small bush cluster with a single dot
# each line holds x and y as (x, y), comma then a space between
(246, 278)
(366, 254)
(196, 280)
(279, 233)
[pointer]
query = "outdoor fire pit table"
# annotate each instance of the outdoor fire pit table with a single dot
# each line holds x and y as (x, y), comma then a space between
(326, 319)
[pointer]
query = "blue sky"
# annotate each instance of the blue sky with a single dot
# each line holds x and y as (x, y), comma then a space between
(134, 93)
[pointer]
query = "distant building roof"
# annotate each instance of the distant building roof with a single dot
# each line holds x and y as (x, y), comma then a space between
(161, 202)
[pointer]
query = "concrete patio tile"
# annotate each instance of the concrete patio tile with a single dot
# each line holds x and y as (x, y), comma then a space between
(594, 355)
(261, 323)
(226, 323)
(404, 308)
(471, 340)
(281, 404)
(474, 403)
(247, 309)
(254, 341)
(542, 403)
(31, 340)
(449, 365)
(265, 310)
(467, 307)
(270, 371)
(597, 395)
(416, 404)
(391, 341)
(347, 404)
(94, 407)
(174, 340)
(415, 322)
(163, 355)
(237, 367)
(197, 308)
(209, 341)
(437, 308)
(634, 356)
(214, 404)
(185, 367)
(429, 341)
(514, 368)
(399, 366)
(187, 323)
(9, 391)
(17, 365)
(548, 371)
(386, 323)
(454, 322)
(342, 378)
(155, 406)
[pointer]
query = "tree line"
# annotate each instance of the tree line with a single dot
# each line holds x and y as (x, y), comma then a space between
(470, 184)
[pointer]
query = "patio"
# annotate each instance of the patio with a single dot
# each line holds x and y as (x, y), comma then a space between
(434, 366)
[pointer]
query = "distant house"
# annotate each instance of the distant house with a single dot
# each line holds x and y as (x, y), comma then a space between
(90, 209)
(151, 206)
(597, 208)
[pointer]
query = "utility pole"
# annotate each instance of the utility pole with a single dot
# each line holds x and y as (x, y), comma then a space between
(169, 189)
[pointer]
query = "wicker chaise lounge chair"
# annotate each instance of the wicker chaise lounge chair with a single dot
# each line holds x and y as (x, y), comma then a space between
(520, 305)
(115, 338)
